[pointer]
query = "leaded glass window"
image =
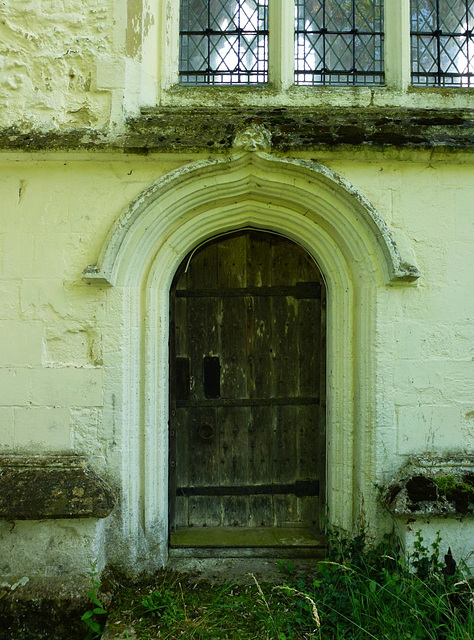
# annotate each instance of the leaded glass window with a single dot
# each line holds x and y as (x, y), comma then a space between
(442, 42)
(223, 42)
(339, 42)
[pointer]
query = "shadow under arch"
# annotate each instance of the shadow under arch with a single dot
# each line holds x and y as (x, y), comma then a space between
(309, 204)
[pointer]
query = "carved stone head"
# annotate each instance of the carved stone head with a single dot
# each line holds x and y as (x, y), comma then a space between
(254, 137)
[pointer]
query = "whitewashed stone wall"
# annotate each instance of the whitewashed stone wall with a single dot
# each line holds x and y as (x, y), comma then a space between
(87, 66)
(53, 363)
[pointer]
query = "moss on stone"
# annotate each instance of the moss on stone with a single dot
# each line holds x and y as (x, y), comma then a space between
(461, 492)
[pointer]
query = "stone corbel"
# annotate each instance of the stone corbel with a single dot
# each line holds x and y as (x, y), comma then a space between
(44, 487)
(432, 486)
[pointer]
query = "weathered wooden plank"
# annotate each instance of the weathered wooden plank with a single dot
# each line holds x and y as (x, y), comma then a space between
(261, 510)
(285, 261)
(235, 511)
(239, 537)
(285, 345)
(308, 510)
(180, 327)
(203, 448)
(201, 269)
(204, 511)
(307, 444)
(309, 346)
(181, 518)
(291, 264)
(233, 348)
(261, 350)
(286, 510)
(179, 465)
(233, 446)
(285, 444)
(232, 262)
(260, 429)
(259, 259)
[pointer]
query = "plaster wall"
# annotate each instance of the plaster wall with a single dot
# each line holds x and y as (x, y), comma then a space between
(50, 59)
(60, 338)
(81, 65)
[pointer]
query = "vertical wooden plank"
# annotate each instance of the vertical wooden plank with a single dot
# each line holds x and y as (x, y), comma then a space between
(284, 345)
(261, 511)
(235, 511)
(202, 314)
(203, 447)
(285, 261)
(180, 328)
(309, 346)
(291, 264)
(286, 511)
(179, 465)
(308, 443)
(233, 348)
(232, 262)
(285, 437)
(234, 441)
(263, 352)
(204, 511)
(234, 463)
(261, 425)
(259, 259)
(181, 518)
(308, 512)
(202, 269)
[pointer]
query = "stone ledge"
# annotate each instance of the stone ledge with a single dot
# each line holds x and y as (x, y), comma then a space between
(191, 129)
(42, 487)
(429, 486)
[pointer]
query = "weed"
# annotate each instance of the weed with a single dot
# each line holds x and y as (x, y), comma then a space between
(162, 604)
(90, 617)
(425, 563)
(360, 592)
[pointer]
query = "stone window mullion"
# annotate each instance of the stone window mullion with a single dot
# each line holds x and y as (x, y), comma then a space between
(397, 44)
(281, 43)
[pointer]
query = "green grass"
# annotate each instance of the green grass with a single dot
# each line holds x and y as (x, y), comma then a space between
(358, 593)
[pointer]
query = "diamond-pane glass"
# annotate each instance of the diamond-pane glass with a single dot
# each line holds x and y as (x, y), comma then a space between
(223, 42)
(442, 43)
(339, 42)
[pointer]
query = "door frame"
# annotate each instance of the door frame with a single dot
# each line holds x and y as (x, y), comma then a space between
(358, 256)
(341, 409)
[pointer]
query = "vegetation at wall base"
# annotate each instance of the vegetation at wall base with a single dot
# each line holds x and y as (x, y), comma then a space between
(359, 592)
(94, 618)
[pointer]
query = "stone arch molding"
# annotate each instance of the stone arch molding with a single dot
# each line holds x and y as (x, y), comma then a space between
(308, 191)
(356, 253)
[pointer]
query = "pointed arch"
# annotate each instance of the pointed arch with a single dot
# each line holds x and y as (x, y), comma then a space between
(357, 255)
(304, 189)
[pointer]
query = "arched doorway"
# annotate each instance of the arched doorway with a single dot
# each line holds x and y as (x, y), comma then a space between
(358, 255)
(247, 396)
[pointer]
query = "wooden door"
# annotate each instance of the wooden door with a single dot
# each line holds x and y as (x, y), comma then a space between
(247, 434)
